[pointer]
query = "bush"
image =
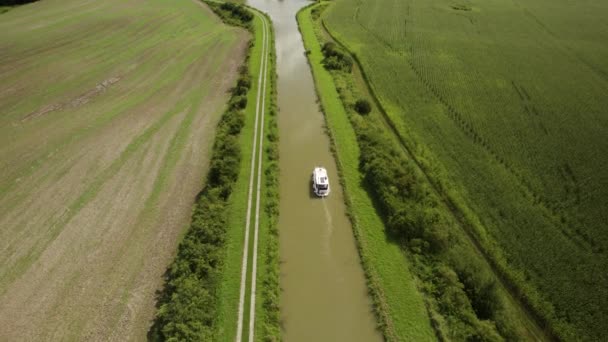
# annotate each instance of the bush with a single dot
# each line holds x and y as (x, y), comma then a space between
(480, 287)
(237, 11)
(363, 107)
(244, 82)
(234, 120)
(238, 102)
(336, 59)
(328, 48)
(232, 14)
(239, 91)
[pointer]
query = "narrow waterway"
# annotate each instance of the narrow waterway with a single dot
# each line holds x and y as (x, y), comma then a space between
(324, 297)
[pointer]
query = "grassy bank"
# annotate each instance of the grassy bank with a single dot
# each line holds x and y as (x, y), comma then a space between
(398, 304)
(207, 269)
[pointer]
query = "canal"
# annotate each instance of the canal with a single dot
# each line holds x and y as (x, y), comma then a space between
(324, 296)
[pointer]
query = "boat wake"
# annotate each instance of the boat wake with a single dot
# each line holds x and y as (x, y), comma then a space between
(329, 229)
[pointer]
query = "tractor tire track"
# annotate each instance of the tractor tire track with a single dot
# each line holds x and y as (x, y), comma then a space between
(257, 135)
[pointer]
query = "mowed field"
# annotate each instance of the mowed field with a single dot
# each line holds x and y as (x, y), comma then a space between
(505, 105)
(107, 112)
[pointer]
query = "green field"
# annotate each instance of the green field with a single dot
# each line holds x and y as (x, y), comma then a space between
(108, 115)
(503, 106)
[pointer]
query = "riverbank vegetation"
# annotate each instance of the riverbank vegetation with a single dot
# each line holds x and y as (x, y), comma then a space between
(462, 295)
(232, 14)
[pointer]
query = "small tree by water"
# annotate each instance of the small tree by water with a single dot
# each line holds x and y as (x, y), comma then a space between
(363, 107)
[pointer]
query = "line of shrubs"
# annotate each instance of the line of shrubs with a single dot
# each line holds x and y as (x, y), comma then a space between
(463, 291)
(335, 58)
(232, 14)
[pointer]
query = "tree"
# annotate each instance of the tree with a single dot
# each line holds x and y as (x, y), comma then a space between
(363, 107)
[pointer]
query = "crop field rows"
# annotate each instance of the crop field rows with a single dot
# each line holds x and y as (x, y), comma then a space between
(505, 105)
(108, 112)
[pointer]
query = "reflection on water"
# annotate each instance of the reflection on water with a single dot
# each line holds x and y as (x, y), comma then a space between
(324, 296)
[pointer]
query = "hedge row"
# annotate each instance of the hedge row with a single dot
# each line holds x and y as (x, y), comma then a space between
(232, 14)
(460, 288)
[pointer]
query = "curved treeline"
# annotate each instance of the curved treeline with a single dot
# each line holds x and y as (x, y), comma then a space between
(188, 303)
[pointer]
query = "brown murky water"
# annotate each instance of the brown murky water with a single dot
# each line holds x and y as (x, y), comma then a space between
(324, 295)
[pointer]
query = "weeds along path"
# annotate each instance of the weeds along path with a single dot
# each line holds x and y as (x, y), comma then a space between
(258, 140)
(532, 320)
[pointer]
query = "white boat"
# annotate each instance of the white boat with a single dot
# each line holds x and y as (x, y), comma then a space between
(320, 182)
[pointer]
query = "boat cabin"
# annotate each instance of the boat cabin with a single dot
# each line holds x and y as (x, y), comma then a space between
(320, 182)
